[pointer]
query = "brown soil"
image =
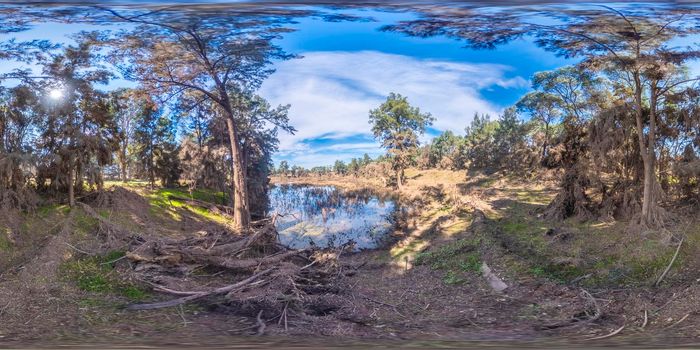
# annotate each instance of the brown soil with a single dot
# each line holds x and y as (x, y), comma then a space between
(377, 296)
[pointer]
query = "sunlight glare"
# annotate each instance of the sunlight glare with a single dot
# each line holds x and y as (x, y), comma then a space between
(56, 94)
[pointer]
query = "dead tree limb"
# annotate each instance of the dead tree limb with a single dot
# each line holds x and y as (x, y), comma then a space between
(668, 268)
(198, 295)
(615, 332)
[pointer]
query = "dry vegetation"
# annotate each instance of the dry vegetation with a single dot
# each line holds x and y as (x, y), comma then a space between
(135, 262)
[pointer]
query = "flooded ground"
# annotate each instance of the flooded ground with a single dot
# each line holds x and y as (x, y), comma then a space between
(326, 216)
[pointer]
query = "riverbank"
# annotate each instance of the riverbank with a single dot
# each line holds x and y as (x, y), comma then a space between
(565, 280)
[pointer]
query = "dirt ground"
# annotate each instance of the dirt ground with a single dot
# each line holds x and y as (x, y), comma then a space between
(425, 288)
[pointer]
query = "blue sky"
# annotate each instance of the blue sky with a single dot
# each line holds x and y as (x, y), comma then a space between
(348, 68)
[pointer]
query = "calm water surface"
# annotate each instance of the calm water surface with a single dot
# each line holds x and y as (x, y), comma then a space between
(326, 216)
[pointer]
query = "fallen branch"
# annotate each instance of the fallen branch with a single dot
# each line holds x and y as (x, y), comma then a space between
(668, 268)
(646, 319)
(261, 324)
(242, 264)
(679, 321)
(615, 332)
(198, 295)
(79, 250)
(377, 301)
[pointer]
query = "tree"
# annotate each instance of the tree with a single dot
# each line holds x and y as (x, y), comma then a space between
(340, 168)
(366, 160)
(123, 107)
(155, 148)
(217, 57)
(354, 167)
(444, 151)
(78, 131)
(259, 123)
(479, 143)
(542, 108)
(634, 49)
(509, 141)
(17, 119)
(283, 168)
(397, 125)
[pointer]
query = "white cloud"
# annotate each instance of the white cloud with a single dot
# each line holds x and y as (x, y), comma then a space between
(331, 93)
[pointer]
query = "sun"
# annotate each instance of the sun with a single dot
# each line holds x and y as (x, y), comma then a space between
(56, 94)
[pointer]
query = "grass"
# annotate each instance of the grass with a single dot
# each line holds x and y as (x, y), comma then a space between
(164, 202)
(455, 258)
(97, 275)
(83, 224)
(5, 243)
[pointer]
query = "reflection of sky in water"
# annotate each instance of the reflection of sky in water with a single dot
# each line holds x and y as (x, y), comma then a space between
(327, 217)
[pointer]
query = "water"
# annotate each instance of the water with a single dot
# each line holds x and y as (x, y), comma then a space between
(325, 216)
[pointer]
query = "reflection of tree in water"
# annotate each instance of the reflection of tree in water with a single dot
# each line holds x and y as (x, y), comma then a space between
(326, 201)
(329, 217)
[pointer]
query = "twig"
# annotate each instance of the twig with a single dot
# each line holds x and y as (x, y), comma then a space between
(377, 301)
(283, 316)
(581, 278)
(615, 332)
(261, 324)
(679, 321)
(394, 307)
(308, 265)
(113, 261)
(675, 255)
(78, 249)
(646, 319)
(181, 312)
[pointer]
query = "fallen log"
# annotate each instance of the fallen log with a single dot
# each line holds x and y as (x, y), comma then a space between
(243, 264)
(199, 295)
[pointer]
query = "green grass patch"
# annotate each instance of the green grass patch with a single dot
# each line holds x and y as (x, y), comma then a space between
(455, 259)
(166, 201)
(97, 275)
(51, 209)
(83, 224)
(5, 243)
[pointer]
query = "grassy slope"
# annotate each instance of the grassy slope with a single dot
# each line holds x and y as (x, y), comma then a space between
(599, 254)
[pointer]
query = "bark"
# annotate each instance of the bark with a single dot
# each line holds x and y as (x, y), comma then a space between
(399, 180)
(123, 164)
(71, 187)
(241, 209)
(545, 144)
(650, 210)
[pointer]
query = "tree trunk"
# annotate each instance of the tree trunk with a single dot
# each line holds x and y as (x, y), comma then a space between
(122, 164)
(646, 149)
(241, 208)
(71, 186)
(399, 180)
(545, 144)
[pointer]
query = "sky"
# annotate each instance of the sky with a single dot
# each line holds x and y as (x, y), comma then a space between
(348, 68)
(345, 69)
